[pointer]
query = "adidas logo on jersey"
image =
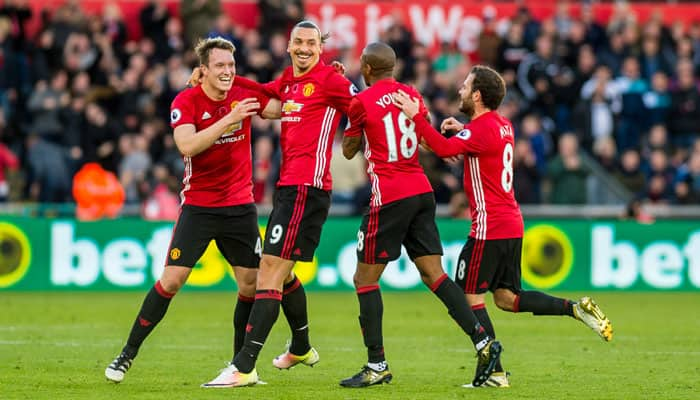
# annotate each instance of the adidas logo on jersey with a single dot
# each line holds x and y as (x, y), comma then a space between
(206, 115)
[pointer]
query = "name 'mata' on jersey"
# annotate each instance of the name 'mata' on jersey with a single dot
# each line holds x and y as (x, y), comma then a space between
(310, 117)
(487, 145)
(391, 142)
(222, 174)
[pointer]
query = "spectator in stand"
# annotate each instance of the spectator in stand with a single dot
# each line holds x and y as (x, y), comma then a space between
(134, 165)
(512, 49)
(566, 173)
(630, 172)
(651, 60)
(614, 53)
(684, 118)
(632, 114)
(49, 179)
(198, 17)
(526, 174)
(153, 18)
(657, 100)
(100, 135)
(593, 116)
(279, 16)
(689, 173)
(47, 104)
(8, 162)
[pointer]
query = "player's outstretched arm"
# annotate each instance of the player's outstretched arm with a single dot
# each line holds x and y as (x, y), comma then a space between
(190, 142)
(273, 109)
(436, 142)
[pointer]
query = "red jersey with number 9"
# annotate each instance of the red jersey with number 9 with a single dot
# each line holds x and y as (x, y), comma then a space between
(222, 174)
(391, 142)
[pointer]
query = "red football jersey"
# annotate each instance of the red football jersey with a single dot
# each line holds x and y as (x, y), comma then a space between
(311, 108)
(487, 145)
(391, 143)
(221, 175)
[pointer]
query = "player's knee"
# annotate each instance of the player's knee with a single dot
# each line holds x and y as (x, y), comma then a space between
(504, 301)
(171, 284)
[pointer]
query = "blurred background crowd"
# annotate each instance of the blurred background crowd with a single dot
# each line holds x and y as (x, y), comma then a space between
(603, 113)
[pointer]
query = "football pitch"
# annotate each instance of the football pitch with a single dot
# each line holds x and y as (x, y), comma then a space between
(57, 345)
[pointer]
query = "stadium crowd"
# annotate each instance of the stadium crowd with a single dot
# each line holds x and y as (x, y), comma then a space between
(620, 100)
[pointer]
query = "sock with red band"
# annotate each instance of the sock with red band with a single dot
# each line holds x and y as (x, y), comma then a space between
(154, 307)
(453, 298)
(265, 311)
(294, 307)
(371, 312)
(540, 303)
(240, 319)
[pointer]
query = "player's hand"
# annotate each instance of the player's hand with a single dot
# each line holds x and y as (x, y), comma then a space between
(339, 67)
(454, 160)
(451, 124)
(244, 109)
(195, 77)
(409, 105)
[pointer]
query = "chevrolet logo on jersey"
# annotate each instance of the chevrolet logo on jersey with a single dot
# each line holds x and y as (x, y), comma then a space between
(290, 106)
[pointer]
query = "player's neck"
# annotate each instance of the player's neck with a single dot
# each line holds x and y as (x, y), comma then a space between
(298, 73)
(213, 93)
(479, 111)
(375, 79)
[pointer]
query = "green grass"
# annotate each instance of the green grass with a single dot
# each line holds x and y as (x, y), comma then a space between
(56, 346)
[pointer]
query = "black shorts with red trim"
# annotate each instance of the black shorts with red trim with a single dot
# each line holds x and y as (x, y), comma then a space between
(234, 229)
(487, 265)
(409, 221)
(294, 228)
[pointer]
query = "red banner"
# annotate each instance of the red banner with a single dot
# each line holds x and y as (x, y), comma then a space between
(354, 23)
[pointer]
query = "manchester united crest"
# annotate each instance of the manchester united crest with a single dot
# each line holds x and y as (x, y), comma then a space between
(308, 89)
(174, 254)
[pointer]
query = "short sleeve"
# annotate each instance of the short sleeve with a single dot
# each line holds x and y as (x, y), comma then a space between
(182, 110)
(356, 118)
(340, 91)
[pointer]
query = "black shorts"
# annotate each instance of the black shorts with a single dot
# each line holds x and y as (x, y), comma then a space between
(409, 221)
(294, 228)
(234, 229)
(487, 265)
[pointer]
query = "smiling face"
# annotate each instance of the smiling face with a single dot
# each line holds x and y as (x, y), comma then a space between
(218, 74)
(304, 48)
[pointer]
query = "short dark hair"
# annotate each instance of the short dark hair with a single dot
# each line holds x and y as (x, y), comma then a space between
(204, 46)
(311, 25)
(490, 84)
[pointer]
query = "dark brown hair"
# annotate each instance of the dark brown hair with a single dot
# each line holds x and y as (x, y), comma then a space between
(490, 84)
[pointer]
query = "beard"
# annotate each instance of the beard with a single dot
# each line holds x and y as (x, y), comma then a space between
(467, 107)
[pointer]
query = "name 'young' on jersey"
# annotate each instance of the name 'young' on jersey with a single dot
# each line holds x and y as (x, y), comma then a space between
(222, 174)
(391, 143)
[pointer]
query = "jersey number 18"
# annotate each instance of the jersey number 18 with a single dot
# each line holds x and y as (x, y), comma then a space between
(408, 142)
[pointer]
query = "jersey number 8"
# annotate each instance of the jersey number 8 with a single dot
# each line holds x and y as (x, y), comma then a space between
(408, 142)
(507, 173)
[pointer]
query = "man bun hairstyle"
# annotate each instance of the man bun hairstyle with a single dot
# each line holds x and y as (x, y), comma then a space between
(204, 47)
(312, 25)
(490, 84)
